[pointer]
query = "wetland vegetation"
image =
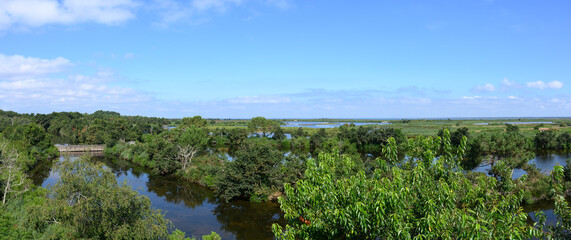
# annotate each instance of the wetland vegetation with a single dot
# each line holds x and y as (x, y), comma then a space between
(338, 178)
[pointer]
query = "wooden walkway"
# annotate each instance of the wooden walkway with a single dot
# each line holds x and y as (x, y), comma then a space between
(80, 148)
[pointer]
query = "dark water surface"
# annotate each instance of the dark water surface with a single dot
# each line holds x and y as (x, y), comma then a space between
(192, 208)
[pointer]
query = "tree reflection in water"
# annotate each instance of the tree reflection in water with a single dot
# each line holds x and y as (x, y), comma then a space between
(175, 190)
(249, 220)
(40, 173)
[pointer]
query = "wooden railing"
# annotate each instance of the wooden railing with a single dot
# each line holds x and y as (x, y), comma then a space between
(80, 148)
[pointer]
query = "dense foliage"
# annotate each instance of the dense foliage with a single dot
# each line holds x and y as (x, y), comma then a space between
(418, 198)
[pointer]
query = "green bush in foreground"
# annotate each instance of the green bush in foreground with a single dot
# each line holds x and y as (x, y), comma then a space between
(418, 199)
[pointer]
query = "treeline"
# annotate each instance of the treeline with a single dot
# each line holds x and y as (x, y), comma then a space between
(100, 127)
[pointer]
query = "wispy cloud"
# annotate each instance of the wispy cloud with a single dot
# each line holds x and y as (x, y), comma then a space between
(510, 84)
(217, 5)
(129, 56)
(172, 11)
(542, 85)
(488, 87)
(199, 11)
(25, 14)
(283, 4)
(259, 99)
(36, 13)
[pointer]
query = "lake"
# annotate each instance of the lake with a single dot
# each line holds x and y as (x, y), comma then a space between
(326, 124)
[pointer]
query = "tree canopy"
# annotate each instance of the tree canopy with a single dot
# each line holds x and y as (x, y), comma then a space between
(419, 198)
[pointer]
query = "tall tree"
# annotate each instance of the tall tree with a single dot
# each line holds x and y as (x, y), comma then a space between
(196, 121)
(190, 142)
(253, 170)
(12, 178)
(261, 124)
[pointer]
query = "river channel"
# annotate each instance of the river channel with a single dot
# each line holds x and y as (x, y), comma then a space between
(194, 209)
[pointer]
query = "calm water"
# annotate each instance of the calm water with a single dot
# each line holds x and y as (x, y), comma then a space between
(325, 124)
(516, 123)
(191, 207)
(544, 160)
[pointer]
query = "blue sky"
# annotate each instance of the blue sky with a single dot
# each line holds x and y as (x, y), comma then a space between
(287, 58)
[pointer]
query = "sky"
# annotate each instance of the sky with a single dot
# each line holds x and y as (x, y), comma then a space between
(287, 58)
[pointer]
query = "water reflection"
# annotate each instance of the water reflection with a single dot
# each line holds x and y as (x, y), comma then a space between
(544, 160)
(41, 172)
(191, 207)
(546, 206)
(177, 192)
(249, 220)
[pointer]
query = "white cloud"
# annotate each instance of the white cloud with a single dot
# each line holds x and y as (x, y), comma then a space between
(508, 83)
(75, 90)
(17, 67)
(34, 84)
(542, 85)
(488, 87)
(35, 13)
(555, 84)
(471, 97)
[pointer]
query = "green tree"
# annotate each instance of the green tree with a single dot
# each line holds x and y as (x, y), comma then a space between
(299, 133)
(316, 140)
(190, 142)
(261, 124)
(12, 178)
(31, 139)
(545, 140)
(278, 134)
(87, 202)
(512, 128)
(564, 141)
(512, 148)
(252, 173)
(196, 121)
(420, 200)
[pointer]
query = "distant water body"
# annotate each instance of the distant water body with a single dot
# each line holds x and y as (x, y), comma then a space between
(327, 124)
(515, 123)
